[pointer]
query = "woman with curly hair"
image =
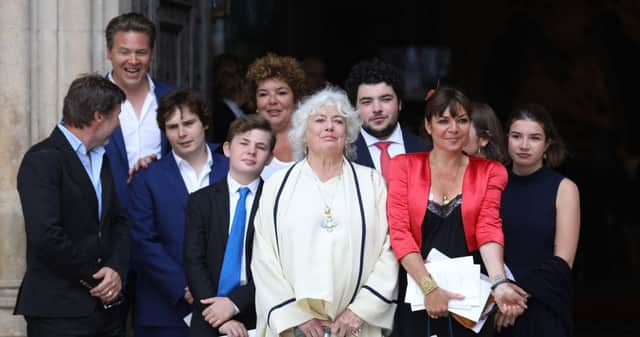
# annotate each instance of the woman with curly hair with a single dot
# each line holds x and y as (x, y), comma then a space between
(276, 84)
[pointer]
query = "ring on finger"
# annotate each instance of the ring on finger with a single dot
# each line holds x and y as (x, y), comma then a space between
(109, 293)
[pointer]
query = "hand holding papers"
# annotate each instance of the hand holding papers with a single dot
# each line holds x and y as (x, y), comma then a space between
(458, 275)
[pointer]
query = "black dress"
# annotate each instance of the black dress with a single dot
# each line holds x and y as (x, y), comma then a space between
(528, 214)
(442, 229)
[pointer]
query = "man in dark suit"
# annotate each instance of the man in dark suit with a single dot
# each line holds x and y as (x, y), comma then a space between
(219, 234)
(157, 204)
(375, 88)
(77, 238)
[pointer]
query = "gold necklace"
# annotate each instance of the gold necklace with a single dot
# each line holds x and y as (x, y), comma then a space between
(445, 199)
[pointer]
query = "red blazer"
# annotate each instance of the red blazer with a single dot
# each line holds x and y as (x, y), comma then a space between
(409, 184)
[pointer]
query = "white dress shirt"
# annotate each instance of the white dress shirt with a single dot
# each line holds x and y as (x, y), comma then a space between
(234, 195)
(395, 148)
(141, 135)
(192, 180)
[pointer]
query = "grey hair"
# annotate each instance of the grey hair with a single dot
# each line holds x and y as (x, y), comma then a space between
(310, 105)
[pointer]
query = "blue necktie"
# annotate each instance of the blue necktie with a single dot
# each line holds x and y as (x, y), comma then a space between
(230, 273)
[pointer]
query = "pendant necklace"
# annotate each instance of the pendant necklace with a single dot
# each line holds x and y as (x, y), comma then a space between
(328, 223)
(445, 199)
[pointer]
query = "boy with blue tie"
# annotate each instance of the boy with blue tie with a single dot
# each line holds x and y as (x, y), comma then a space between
(219, 234)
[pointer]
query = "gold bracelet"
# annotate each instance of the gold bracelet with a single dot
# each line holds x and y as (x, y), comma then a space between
(428, 284)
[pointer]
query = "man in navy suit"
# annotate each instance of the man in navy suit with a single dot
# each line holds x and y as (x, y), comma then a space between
(375, 88)
(157, 204)
(218, 239)
(77, 239)
(130, 41)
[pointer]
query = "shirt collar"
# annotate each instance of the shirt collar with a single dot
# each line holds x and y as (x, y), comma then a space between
(152, 86)
(395, 137)
(235, 185)
(76, 143)
(181, 162)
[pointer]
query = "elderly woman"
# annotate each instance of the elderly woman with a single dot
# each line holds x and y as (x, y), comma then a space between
(322, 259)
(276, 84)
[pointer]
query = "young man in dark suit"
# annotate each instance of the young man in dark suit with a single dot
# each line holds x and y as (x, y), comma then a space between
(157, 204)
(77, 238)
(219, 234)
(375, 88)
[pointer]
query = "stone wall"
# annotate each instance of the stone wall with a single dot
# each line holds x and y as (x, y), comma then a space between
(45, 44)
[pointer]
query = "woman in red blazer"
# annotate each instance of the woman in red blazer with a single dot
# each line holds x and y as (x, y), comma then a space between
(447, 200)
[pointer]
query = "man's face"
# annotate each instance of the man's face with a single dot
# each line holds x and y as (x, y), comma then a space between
(105, 124)
(130, 57)
(185, 133)
(378, 106)
(248, 153)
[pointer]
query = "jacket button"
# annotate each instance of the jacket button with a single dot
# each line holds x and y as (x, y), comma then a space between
(99, 260)
(99, 234)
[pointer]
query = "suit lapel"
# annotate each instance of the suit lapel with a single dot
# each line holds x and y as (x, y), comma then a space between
(219, 226)
(118, 141)
(362, 150)
(249, 239)
(106, 179)
(75, 169)
(219, 166)
(174, 179)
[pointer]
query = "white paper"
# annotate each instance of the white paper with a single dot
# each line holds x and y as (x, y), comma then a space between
(187, 319)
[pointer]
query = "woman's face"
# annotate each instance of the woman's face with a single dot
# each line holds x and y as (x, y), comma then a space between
(474, 143)
(449, 133)
(326, 132)
(275, 102)
(527, 143)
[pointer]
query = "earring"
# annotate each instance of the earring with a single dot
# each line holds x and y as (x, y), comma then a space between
(544, 155)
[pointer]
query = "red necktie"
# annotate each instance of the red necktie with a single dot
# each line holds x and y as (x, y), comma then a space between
(384, 157)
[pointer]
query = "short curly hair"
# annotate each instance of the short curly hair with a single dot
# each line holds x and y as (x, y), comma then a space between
(284, 68)
(330, 95)
(373, 71)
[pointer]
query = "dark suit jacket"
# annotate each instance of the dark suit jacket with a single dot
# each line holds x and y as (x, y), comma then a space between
(117, 152)
(157, 205)
(205, 240)
(412, 143)
(66, 242)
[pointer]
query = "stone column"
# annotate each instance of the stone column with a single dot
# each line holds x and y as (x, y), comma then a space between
(45, 44)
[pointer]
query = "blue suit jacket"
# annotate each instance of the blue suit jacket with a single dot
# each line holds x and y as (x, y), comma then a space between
(117, 152)
(157, 205)
(412, 143)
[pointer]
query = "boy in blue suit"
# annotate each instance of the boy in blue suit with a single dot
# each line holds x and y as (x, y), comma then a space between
(219, 234)
(157, 202)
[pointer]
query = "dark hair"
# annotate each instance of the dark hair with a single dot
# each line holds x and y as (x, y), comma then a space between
(251, 122)
(87, 94)
(284, 68)
(556, 150)
(373, 71)
(228, 75)
(130, 22)
(488, 127)
(179, 100)
(447, 97)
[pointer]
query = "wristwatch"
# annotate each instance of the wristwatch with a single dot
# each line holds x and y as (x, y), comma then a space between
(428, 284)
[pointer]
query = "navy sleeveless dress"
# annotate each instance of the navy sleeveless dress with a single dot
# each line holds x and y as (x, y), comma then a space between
(528, 212)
